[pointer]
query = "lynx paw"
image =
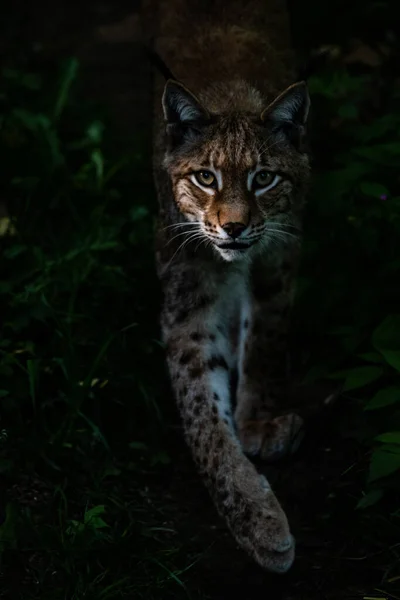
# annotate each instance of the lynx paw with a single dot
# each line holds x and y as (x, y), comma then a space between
(275, 546)
(271, 439)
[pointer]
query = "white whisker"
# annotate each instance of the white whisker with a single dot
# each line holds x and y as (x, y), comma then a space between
(283, 225)
(281, 232)
(265, 147)
(179, 235)
(175, 225)
(192, 237)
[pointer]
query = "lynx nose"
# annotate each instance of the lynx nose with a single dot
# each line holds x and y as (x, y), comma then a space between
(234, 229)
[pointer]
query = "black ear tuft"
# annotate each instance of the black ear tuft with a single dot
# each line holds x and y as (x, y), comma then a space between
(181, 106)
(291, 106)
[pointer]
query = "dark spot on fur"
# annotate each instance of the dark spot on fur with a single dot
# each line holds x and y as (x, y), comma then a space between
(223, 495)
(246, 323)
(195, 372)
(226, 421)
(216, 397)
(246, 515)
(186, 289)
(214, 409)
(203, 301)
(187, 356)
(220, 443)
(181, 316)
(196, 336)
(214, 420)
(221, 481)
(233, 384)
(197, 410)
(246, 531)
(217, 361)
(216, 462)
(236, 498)
(212, 337)
(198, 398)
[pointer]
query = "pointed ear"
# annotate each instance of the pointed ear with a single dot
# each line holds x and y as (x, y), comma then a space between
(290, 107)
(181, 106)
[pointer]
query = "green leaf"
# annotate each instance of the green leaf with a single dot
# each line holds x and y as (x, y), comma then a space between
(348, 111)
(316, 372)
(68, 76)
(75, 527)
(387, 334)
(92, 517)
(370, 498)
(358, 377)
(30, 81)
(374, 357)
(6, 465)
(373, 189)
(386, 338)
(14, 251)
(380, 153)
(392, 357)
(392, 437)
(8, 530)
(383, 464)
(138, 213)
(138, 446)
(98, 162)
(160, 458)
(95, 132)
(33, 375)
(384, 397)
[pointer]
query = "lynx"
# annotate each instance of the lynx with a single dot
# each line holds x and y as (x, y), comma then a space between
(231, 171)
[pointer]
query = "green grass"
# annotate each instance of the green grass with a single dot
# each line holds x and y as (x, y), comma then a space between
(78, 350)
(98, 497)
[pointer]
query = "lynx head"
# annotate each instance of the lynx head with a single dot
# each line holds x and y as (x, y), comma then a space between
(238, 169)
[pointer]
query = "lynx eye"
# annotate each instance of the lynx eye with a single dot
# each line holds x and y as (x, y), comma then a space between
(205, 178)
(265, 180)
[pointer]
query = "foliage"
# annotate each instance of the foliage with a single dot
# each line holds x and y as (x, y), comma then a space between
(349, 294)
(78, 338)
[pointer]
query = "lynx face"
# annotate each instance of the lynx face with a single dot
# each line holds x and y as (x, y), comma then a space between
(236, 176)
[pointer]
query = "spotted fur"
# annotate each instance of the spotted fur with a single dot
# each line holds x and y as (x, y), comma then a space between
(227, 247)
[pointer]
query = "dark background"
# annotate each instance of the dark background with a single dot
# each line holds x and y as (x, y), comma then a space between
(98, 496)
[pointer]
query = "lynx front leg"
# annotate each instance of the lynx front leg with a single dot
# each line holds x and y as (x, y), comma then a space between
(199, 356)
(263, 426)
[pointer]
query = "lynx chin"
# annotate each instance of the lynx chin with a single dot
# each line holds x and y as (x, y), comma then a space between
(231, 171)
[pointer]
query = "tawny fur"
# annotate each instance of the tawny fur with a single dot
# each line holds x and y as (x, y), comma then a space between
(225, 311)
